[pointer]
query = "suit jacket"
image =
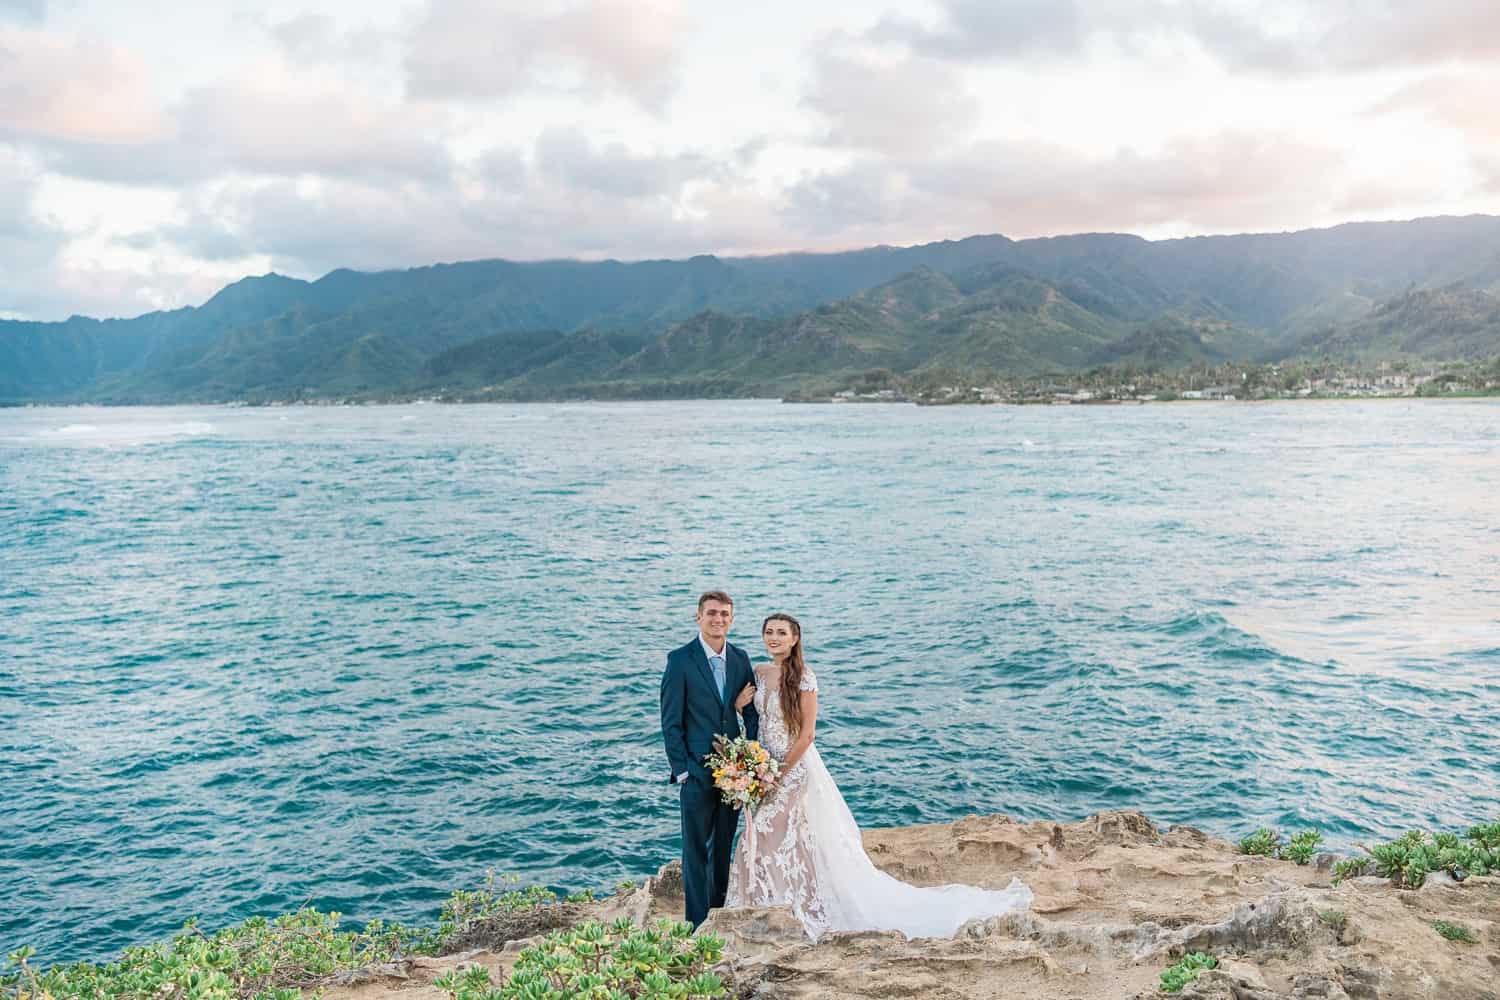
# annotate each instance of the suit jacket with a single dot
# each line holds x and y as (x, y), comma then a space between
(692, 713)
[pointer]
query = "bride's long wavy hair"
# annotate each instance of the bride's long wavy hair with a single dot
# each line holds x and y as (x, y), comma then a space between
(792, 669)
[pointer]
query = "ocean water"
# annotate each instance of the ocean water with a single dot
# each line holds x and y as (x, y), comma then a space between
(356, 657)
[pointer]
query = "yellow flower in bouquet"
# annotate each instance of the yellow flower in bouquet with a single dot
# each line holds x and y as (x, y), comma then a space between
(743, 771)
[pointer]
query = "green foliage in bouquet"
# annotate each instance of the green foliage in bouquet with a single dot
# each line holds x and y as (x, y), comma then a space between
(258, 959)
(1267, 843)
(597, 961)
(1176, 976)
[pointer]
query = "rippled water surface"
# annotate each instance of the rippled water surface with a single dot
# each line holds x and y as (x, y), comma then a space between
(357, 656)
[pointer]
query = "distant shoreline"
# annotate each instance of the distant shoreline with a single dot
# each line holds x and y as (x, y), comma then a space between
(1107, 404)
(1036, 404)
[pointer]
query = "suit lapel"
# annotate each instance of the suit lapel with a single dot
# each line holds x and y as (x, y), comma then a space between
(701, 658)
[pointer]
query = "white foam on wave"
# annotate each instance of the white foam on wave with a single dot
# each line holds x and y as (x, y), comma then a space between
(128, 433)
(1390, 639)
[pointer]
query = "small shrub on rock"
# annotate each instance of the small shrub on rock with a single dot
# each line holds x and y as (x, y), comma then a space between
(1302, 847)
(1262, 842)
(259, 958)
(469, 906)
(1410, 858)
(1267, 843)
(1336, 920)
(1346, 868)
(501, 911)
(1178, 975)
(596, 961)
(1454, 932)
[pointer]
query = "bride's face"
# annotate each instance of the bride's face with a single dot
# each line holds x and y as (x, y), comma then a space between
(779, 638)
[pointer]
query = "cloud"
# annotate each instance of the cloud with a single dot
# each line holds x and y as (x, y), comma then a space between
(572, 197)
(30, 10)
(569, 197)
(29, 244)
(1465, 102)
(1231, 181)
(74, 89)
(272, 122)
(1301, 36)
(19, 182)
(985, 29)
(318, 38)
(1489, 174)
(567, 155)
(1437, 31)
(890, 104)
(53, 270)
(481, 49)
(287, 127)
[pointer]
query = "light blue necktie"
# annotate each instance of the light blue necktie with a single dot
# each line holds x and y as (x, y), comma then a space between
(717, 663)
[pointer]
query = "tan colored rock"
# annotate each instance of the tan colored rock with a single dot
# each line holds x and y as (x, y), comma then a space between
(1117, 900)
(1243, 975)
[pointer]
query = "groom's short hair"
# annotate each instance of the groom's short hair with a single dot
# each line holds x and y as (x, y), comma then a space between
(714, 595)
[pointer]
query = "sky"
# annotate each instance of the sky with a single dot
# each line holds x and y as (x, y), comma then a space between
(152, 153)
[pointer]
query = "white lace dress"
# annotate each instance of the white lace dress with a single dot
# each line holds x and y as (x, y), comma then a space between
(802, 850)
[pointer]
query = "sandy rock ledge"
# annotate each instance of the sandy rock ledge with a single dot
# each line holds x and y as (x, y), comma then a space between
(1117, 900)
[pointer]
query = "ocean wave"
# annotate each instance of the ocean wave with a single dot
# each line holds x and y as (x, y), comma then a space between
(126, 433)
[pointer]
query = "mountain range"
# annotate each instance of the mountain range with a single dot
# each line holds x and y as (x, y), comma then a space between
(1428, 290)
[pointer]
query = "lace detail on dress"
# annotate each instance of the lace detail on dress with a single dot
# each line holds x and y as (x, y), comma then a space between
(773, 862)
(802, 850)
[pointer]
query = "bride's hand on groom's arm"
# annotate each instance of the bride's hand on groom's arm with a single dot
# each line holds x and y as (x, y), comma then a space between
(745, 697)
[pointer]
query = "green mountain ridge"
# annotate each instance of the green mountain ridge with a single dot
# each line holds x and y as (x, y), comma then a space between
(561, 329)
(1432, 324)
(1174, 341)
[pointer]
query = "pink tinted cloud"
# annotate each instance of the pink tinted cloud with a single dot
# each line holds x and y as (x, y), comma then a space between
(477, 49)
(75, 88)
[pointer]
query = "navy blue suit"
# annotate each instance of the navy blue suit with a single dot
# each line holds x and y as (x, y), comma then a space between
(692, 713)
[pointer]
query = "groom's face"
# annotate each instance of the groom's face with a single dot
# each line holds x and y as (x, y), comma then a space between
(714, 619)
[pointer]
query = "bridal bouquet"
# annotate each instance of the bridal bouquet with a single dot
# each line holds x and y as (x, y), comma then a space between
(743, 771)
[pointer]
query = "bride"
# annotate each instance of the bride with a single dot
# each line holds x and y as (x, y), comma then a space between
(801, 847)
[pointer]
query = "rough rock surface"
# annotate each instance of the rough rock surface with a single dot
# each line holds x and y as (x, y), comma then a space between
(1116, 902)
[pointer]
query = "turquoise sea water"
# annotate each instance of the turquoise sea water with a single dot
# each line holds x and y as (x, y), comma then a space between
(251, 658)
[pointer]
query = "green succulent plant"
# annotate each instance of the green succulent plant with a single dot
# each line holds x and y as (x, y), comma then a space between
(1266, 842)
(597, 961)
(258, 959)
(1185, 970)
(1410, 858)
(1454, 932)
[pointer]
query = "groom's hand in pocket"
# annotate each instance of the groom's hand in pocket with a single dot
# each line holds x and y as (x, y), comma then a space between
(745, 697)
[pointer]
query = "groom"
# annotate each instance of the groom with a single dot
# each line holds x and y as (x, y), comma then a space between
(698, 691)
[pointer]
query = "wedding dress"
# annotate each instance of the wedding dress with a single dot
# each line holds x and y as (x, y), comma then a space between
(801, 849)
